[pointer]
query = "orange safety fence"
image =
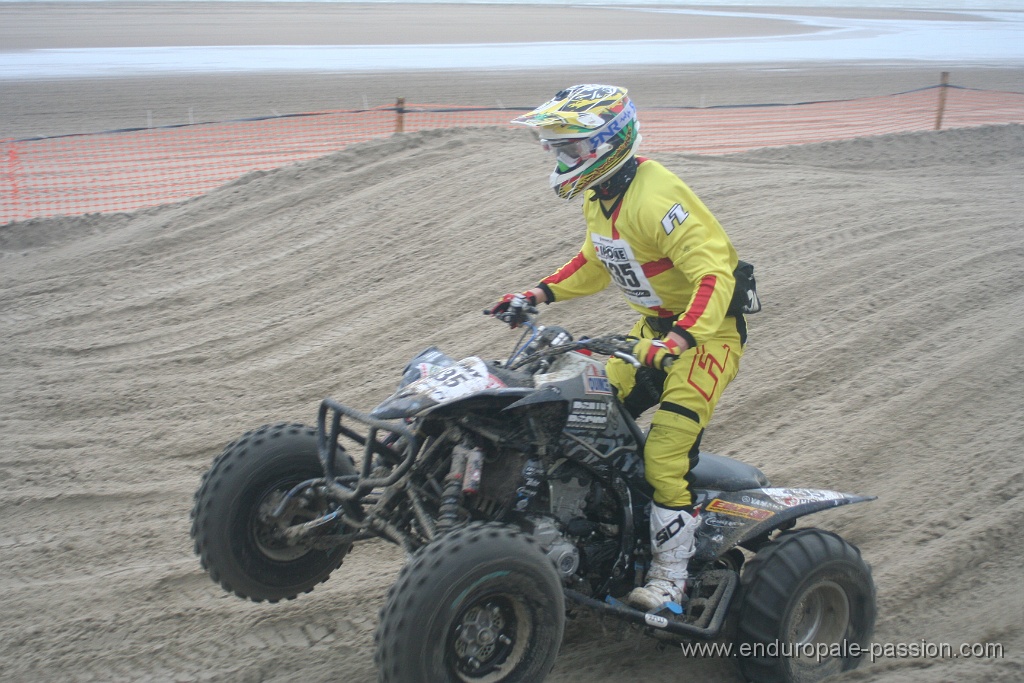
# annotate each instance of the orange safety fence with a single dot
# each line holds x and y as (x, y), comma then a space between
(131, 169)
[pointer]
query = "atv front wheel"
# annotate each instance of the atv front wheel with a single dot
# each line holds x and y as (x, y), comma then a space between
(806, 598)
(236, 544)
(482, 604)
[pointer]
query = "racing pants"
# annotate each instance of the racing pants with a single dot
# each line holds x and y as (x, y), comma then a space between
(691, 389)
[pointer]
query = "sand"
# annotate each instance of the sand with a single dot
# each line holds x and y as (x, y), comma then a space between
(887, 361)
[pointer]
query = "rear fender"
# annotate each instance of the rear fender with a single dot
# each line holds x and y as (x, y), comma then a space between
(736, 517)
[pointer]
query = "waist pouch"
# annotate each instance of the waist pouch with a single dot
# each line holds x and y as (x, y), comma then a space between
(660, 325)
(744, 299)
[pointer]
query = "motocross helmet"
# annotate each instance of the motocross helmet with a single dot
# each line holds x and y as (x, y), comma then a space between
(590, 129)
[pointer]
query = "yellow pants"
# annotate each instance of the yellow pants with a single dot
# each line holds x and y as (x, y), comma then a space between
(692, 388)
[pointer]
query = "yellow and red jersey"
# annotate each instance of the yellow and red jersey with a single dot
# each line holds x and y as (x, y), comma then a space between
(664, 250)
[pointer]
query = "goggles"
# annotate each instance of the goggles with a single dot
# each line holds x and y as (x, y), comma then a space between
(569, 152)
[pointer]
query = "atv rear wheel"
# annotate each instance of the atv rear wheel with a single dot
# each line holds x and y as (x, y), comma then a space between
(482, 604)
(236, 545)
(805, 598)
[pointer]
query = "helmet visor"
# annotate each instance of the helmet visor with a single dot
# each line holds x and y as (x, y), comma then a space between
(569, 153)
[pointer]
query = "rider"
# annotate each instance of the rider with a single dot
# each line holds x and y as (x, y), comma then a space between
(649, 234)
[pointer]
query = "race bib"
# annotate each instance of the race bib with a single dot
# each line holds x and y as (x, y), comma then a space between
(626, 271)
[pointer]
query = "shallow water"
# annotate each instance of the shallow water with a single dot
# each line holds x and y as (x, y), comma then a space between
(996, 39)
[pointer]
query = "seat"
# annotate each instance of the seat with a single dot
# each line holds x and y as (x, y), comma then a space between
(720, 473)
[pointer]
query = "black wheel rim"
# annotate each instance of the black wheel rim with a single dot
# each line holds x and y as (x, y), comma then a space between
(266, 537)
(488, 638)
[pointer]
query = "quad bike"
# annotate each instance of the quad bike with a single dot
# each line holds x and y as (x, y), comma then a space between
(517, 489)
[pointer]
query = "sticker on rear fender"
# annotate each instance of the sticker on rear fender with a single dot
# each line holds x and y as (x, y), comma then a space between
(794, 497)
(726, 507)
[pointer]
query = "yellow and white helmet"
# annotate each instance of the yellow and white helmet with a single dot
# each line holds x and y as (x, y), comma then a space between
(591, 130)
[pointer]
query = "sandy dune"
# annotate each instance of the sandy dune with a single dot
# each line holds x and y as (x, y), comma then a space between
(888, 361)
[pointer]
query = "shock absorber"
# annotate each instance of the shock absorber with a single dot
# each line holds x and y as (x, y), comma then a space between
(451, 497)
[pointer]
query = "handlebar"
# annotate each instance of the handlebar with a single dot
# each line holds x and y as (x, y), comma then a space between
(539, 341)
(629, 358)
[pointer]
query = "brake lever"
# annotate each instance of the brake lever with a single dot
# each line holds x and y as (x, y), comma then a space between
(628, 358)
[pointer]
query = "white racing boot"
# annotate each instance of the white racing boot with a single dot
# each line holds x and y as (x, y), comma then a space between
(672, 546)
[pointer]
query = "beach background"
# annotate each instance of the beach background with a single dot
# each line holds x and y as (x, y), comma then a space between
(887, 361)
(89, 66)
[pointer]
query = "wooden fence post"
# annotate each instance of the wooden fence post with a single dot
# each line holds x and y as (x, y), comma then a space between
(942, 100)
(400, 115)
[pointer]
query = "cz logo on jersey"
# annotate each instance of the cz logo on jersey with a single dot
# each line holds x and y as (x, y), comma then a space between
(675, 216)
